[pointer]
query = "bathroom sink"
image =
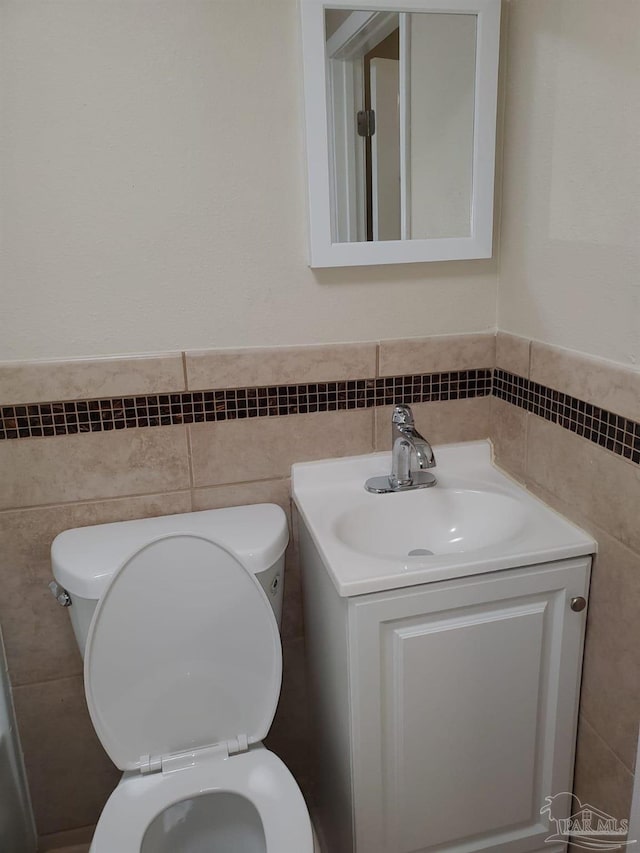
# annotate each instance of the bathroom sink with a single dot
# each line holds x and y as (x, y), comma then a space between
(424, 523)
(475, 520)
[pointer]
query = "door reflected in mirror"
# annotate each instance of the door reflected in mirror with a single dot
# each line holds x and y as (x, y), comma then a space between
(401, 96)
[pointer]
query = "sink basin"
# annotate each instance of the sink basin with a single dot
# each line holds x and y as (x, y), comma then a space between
(424, 523)
(475, 520)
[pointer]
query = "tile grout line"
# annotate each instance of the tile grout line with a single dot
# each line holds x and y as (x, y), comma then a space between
(612, 432)
(607, 746)
(80, 417)
(53, 680)
(139, 495)
(190, 464)
(110, 498)
(185, 374)
(615, 433)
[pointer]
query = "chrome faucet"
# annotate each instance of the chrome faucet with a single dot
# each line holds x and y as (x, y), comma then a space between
(406, 443)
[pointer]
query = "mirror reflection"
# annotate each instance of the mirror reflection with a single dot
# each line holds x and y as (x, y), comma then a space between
(401, 123)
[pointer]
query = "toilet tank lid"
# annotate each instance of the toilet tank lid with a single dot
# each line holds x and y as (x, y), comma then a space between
(84, 559)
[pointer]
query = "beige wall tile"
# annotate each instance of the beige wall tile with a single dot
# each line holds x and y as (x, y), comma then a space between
(37, 632)
(603, 383)
(93, 466)
(589, 494)
(36, 381)
(70, 777)
(289, 736)
(240, 494)
(610, 683)
(292, 608)
(232, 368)
(440, 423)
(601, 780)
(265, 448)
(70, 841)
(599, 485)
(611, 675)
(568, 510)
(512, 353)
(610, 693)
(436, 354)
(264, 491)
(509, 435)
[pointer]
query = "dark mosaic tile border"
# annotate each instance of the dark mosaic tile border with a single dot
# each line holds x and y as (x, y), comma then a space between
(101, 415)
(614, 432)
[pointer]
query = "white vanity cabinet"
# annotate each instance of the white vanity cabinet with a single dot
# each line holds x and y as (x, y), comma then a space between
(445, 713)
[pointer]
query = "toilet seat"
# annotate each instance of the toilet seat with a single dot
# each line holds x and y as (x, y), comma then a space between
(183, 652)
(182, 674)
(257, 775)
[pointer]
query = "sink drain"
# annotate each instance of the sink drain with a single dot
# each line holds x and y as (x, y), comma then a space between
(420, 552)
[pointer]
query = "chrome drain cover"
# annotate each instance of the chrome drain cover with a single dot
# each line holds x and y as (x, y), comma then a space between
(420, 552)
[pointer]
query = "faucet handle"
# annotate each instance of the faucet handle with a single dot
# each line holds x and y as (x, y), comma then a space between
(402, 416)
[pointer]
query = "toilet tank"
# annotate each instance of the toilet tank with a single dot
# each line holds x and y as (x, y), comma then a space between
(84, 559)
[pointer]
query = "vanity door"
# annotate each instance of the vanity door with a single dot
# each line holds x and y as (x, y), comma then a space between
(464, 709)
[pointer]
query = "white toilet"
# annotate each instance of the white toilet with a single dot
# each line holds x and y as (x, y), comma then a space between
(176, 619)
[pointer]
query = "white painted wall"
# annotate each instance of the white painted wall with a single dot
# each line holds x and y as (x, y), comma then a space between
(570, 234)
(152, 190)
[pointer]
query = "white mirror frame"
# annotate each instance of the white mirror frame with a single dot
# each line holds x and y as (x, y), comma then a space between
(325, 253)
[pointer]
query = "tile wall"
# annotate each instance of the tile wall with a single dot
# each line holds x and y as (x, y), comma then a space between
(137, 463)
(567, 426)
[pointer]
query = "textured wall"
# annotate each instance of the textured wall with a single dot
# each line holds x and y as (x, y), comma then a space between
(152, 177)
(570, 254)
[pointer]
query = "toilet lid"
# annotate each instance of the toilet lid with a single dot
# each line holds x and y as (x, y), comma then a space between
(183, 652)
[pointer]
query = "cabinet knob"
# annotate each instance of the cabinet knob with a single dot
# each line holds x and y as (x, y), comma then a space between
(578, 604)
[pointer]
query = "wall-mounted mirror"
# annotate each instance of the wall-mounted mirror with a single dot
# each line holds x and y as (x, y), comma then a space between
(400, 103)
